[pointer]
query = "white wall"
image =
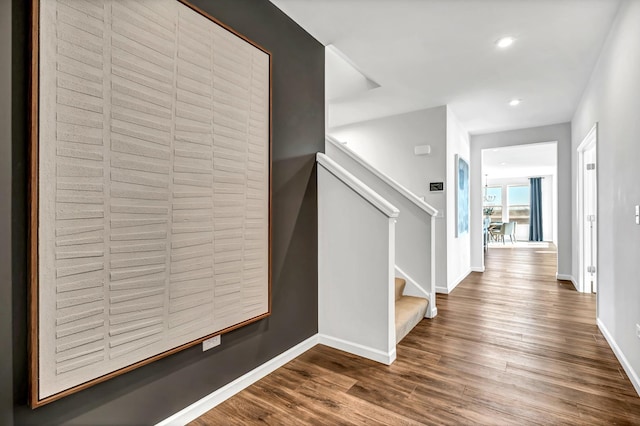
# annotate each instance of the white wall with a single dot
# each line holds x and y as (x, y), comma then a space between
(413, 225)
(561, 133)
(458, 248)
(612, 100)
(549, 226)
(356, 308)
(387, 144)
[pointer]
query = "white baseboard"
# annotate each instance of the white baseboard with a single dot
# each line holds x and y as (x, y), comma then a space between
(565, 277)
(357, 349)
(442, 290)
(459, 280)
(205, 404)
(449, 289)
(477, 269)
(631, 373)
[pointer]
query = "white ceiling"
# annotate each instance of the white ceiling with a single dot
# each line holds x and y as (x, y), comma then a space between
(538, 159)
(426, 53)
(345, 78)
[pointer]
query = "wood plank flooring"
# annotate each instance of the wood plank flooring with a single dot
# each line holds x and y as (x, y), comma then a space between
(510, 346)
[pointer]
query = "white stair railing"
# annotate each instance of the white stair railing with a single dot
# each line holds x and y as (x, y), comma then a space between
(356, 259)
(415, 227)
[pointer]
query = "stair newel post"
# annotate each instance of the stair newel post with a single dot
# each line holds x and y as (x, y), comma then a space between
(432, 311)
(391, 291)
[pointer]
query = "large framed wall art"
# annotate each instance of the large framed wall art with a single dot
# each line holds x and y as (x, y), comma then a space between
(150, 186)
(462, 196)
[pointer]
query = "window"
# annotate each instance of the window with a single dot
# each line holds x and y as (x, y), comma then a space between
(495, 206)
(518, 206)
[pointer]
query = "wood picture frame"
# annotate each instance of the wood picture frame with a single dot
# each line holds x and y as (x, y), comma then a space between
(175, 178)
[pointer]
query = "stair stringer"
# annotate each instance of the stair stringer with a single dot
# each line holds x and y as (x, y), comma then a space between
(412, 288)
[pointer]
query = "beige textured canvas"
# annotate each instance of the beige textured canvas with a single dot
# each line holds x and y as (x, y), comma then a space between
(153, 184)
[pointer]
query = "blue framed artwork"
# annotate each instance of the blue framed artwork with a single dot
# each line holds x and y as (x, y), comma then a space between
(462, 196)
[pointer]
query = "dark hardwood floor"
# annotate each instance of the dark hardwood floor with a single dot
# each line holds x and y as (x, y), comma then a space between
(509, 346)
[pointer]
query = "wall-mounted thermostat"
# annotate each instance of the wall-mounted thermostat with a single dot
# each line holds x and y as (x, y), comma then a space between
(436, 186)
(422, 150)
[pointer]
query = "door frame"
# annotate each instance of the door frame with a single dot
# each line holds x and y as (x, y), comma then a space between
(589, 141)
(555, 214)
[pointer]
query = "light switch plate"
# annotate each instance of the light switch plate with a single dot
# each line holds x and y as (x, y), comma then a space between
(637, 215)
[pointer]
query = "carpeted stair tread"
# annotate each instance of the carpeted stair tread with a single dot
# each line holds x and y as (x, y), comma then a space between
(409, 312)
(400, 283)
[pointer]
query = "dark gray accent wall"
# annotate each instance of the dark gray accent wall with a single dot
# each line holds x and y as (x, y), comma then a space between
(156, 391)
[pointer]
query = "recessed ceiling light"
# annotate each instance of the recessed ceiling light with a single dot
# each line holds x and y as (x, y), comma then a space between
(505, 42)
(515, 102)
(503, 164)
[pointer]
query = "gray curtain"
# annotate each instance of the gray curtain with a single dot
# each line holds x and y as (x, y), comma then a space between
(535, 215)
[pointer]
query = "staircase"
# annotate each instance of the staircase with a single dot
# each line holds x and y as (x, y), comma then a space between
(409, 310)
(371, 230)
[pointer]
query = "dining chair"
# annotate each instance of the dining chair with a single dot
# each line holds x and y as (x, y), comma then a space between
(494, 230)
(507, 228)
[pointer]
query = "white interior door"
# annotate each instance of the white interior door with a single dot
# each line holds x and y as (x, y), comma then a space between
(590, 219)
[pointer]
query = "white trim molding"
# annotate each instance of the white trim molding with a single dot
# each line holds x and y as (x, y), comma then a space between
(357, 186)
(591, 140)
(218, 396)
(449, 289)
(433, 309)
(477, 269)
(392, 183)
(442, 289)
(565, 277)
(631, 373)
(412, 288)
(357, 349)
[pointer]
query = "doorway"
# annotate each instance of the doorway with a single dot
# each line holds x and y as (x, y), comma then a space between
(506, 194)
(588, 213)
